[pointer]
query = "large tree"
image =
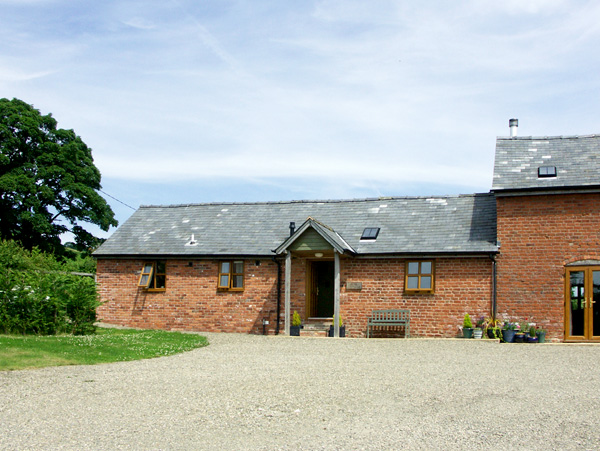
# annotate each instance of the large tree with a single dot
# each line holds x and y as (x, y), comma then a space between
(48, 182)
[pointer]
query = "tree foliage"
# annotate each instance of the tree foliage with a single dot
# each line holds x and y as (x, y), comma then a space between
(48, 181)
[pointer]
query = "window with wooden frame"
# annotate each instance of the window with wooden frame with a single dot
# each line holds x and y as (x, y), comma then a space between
(154, 276)
(419, 276)
(231, 275)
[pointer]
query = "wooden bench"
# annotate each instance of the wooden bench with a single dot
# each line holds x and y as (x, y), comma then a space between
(389, 318)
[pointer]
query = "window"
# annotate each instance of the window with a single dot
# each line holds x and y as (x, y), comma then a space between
(154, 276)
(370, 233)
(231, 275)
(547, 171)
(419, 277)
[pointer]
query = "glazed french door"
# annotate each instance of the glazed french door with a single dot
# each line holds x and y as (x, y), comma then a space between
(582, 306)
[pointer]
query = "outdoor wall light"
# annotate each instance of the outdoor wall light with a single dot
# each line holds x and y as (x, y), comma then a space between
(318, 254)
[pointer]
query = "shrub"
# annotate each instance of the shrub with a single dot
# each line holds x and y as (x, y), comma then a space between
(467, 324)
(36, 297)
(296, 320)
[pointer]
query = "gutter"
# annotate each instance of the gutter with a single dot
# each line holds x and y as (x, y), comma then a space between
(543, 190)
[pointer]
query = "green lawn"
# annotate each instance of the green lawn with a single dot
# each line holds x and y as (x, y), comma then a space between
(19, 352)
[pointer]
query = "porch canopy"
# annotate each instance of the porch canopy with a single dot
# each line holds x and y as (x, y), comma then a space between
(314, 238)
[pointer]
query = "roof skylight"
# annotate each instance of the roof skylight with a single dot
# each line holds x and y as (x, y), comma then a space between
(370, 233)
(547, 171)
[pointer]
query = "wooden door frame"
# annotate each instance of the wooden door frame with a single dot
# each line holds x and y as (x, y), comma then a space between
(311, 299)
(588, 331)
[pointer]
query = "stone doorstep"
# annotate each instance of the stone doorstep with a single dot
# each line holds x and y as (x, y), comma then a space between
(315, 327)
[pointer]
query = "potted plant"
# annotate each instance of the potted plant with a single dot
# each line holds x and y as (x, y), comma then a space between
(532, 338)
(467, 326)
(519, 334)
(541, 335)
(342, 328)
(492, 328)
(478, 331)
(296, 323)
(508, 332)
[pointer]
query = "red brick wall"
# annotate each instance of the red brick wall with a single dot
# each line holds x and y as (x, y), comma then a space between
(462, 285)
(539, 235)
(191, 300)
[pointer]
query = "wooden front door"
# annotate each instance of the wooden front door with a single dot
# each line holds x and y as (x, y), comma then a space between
(582, 303)
(321, 289)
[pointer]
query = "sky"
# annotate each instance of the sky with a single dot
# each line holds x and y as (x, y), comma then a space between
(187, 101)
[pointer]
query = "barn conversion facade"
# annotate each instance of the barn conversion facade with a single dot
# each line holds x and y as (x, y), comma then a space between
(527, 250)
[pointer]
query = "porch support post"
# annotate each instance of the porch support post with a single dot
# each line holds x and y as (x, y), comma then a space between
(336, 294)
(288, 281)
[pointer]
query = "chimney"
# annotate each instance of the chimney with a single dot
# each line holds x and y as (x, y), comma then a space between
(513, 124)
(292, 228)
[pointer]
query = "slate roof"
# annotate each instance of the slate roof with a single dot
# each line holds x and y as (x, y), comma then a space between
(576, 158)
(409, 225)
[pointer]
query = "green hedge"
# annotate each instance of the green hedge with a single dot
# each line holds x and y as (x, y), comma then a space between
(37, 296)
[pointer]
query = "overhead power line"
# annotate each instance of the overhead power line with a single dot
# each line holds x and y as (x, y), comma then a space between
(120, 201)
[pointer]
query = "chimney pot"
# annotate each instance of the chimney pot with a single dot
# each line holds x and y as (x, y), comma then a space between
(513, 124)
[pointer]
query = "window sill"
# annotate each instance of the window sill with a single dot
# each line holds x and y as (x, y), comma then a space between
(419, 292)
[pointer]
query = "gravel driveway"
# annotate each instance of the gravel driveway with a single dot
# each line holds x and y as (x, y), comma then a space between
(268, 393)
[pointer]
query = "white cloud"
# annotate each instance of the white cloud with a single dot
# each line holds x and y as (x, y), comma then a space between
(140, 23)
(371, 94)
(8, 74)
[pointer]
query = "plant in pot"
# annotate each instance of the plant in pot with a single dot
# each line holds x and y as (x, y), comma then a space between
(296, 323)
(467, 326)
(541, 334)
(508, 332)
(519, 334)
(533, 338)
(478, 331)
(342, 328)
(492, 328)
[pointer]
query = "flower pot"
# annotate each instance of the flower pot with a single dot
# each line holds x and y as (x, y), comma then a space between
(532, 339)
(541, 337)
(519, 337)
(467, 332)
(342, 331)
(477, 333)
(294, 331)
(508, 335)
(494, 333)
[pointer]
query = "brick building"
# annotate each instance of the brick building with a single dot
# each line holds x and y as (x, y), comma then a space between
(529, 249)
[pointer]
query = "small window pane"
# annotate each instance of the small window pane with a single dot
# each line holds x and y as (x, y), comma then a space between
(225, 267)
(413, 268)
(160, 281)
(425, 267)
(426, 283)
(160, 267)
(238, 282)
(413, 283)
(238, 267)
(224, 281)
(146, 275)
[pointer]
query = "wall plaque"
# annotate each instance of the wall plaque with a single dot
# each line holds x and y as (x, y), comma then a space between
(354, 286)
